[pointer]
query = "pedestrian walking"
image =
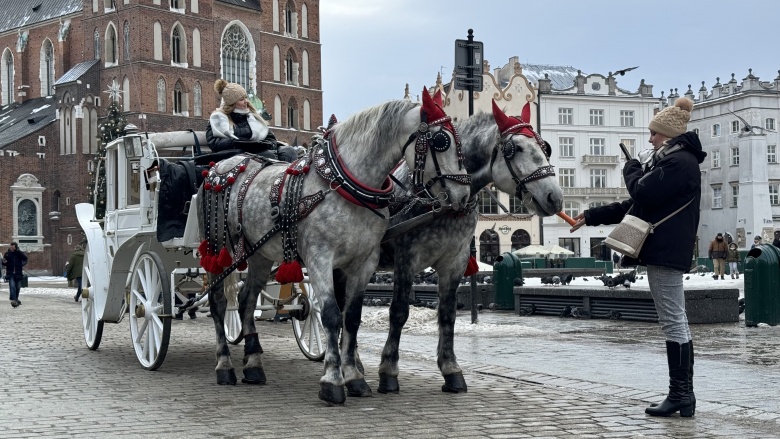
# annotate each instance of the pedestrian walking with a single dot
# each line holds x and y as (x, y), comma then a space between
(732, 258)
(74, 268)
(14, 261)
(717, 252)
(616, 260)
(667, 179)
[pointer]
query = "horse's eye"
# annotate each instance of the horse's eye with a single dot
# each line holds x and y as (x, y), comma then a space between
(547, 149)
(440, 141)
(509, 150)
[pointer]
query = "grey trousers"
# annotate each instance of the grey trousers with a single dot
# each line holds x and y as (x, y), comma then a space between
(666, 286)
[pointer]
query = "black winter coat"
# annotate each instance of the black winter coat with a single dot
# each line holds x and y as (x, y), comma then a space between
(243, 131)
(14, 263)
(673, 181)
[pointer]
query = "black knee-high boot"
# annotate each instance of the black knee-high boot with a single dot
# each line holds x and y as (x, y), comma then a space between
(680, 396)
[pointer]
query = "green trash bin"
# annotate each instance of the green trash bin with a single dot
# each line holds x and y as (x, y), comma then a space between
(762, 286)
(506, 268)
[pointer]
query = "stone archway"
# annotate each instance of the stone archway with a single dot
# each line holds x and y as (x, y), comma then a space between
(489, 248)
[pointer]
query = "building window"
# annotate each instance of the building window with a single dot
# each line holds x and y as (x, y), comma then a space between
(178, 107)
(176, 46)
(717, 197)
(96, 44)
(236, 57)
(161, 95)
(734, 126)
(626, 118)
(520, 239)
(47, 69)
(716, 159)
(111, 42)
(598, 178)
(630, 145)
(126, 44)
(774, 194)
(571, 208)
(292, 114)
(597, 146)
(716, 130)
(597, 117)
(571, 244)
(486, 204)
(566, 146)
(516, 205)
(197, 105)
(597, 204)
(566, 177)
(290, 20)
(566, 116)
(771, 153)
(291, 69)
(735, 156)
(769, 123)
(8, 77)
(489, 246)
(734, 195)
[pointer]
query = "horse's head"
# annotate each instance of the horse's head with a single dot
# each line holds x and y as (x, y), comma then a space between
(527, 171)
(443, 175)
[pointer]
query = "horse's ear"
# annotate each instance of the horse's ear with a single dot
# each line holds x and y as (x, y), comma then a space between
(429, 107)
(525, 116)
(332, 121)
(437, 99)
(502, 120)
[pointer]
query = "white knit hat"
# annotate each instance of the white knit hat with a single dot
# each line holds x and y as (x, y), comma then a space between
(673, 121)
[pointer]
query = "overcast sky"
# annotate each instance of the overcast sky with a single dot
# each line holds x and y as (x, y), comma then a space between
(372, 48)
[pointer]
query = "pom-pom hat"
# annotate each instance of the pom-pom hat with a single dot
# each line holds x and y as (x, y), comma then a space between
(672, 121)
(230, 91)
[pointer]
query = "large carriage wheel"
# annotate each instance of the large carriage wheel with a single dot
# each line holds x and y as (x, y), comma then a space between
(233, 324)
(149, 299)
(309, 332)
(93, 327)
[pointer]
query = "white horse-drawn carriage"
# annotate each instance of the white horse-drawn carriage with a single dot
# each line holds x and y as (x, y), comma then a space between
(128, 271)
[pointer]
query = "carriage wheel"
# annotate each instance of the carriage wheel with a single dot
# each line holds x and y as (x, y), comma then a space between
(93, 327)
(233, 325)
(309, 332)
(149, 299)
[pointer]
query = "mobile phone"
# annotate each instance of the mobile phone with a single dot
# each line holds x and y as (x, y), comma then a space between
(625, 151)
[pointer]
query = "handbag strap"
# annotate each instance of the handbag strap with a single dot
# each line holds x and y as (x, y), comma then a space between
(673, 213)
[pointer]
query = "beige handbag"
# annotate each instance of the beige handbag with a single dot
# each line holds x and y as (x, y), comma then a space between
(629, 236)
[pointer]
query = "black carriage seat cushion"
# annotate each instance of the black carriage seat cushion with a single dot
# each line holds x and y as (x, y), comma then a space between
(205, 159)
(180, 180)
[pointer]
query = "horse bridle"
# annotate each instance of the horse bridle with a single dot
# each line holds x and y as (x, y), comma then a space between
(440, 142)
(508, 150)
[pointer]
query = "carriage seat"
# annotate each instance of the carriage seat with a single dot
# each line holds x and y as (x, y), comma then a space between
(180, 180)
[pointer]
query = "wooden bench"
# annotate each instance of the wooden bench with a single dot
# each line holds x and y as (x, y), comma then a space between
(542, 272)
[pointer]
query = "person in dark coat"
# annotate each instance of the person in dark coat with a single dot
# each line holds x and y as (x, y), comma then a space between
(732, 258)
(74, 269)
(776, 242)
(717, 252)
(237, 125)
(665, 182)
(14, 261)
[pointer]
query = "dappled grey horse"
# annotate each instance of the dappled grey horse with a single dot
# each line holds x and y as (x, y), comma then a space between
(498, 149)
(332, 220)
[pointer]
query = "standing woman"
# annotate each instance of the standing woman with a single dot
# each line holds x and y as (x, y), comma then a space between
(14, 261)
(236, 125)
(732, 258)
(667, 180)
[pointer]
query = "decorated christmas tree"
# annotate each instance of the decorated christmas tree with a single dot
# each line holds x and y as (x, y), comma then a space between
(112, 127)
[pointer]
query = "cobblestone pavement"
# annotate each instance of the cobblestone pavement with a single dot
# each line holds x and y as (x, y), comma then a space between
(568, 378)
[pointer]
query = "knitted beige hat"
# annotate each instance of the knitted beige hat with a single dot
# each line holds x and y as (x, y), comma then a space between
(673, 121)
(230, 91)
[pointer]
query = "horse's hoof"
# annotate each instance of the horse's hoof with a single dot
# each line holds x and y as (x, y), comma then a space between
(226, 376)
(332, 394)
(387, 384)
(454, 383)
(253, 375)
(359, 388)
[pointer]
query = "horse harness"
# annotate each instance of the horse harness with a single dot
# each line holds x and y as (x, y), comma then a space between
(508, 150)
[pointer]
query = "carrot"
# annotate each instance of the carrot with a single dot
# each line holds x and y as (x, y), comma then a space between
(566, 218)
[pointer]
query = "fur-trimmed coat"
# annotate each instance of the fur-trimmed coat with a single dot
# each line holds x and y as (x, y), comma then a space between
(221, 133)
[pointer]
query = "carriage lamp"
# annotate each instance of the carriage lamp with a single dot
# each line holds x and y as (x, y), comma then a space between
(133, 146)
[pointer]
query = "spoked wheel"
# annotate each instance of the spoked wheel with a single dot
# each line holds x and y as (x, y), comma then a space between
(233, 326)
(149, 299)
(93, 327)
(309, 333)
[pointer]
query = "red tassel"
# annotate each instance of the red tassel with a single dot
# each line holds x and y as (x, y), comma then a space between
(231, 180)
(472, 267)
(211, 164)
(306, 169)
(214, 268)
(207, 186)
(242, 266)
(224, 258)
(205, 262)
(205, 173)
(203, 248)
(218, 188)
(289, 272)
(242, 168)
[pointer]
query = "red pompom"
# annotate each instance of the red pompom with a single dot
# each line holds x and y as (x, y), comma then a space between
(211, 164)
(204, 173)
(472, 267)
(224, 258)
(242, 168)
(218, 188)
(203, 248)
(242, 266)
(207, 186)
(214, 266)
(306, 169)
(231, 180)
(205, 262)
(289, 272)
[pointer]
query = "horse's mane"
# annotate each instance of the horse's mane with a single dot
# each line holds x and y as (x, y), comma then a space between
(479, 129)
(372, 127)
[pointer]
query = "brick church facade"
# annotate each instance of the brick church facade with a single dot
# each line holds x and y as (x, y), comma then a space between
(164, 56)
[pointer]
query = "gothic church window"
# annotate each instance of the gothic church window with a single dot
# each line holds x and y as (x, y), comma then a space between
(197, 106)
(47, 68)
(126, 45)
(236, 57)
(8, 77)
(111, 43)
(161, 95)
